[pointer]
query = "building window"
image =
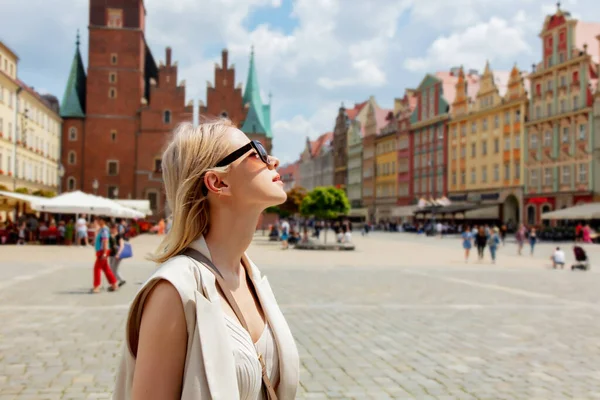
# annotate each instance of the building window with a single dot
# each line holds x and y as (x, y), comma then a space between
(484, 148)
(153, 198)
(533, 177)
(563, 81)
(496, 122)
(582, 134)
(575, 102)
(454, 131)
(463, 177)
(506, 118)
(72, 158)
(454, 153)
(453, 178)
(440, 132)
(496, 173)
(582, 175)
(517, 141)
(562, 106)
(113, 136)
(507, 143)
(463, 130)
(566, 175)
(496, 145)
(72, 134)
(70, 183)
(474, 127)
(484, 124)
(463, 151)
(484, 174)
(518, 116)
(538, 112)
(473, 150)
(112, 77)
(507, 171)
(157, 165)
(473, 176)
(113, 167)
(167, 116)
(112, 93)
(224, 114)
(547, 176)
(114, 17)
(547, 138)
(517, 170)
(533, 141)
(565, 134)
(113, 58)
(549, 109)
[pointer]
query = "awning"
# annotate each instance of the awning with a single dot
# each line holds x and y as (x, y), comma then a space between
(358, 212)
(140, 205)
(582, 211)
(403, 211)
(78, 202)
(8, 200)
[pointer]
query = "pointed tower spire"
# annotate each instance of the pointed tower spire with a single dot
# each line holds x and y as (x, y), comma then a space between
(487, 67)
(73, 102)
(258, 119)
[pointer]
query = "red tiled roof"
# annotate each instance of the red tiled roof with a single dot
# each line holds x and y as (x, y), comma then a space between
(353, 112)
(289, 170)
(317, 144)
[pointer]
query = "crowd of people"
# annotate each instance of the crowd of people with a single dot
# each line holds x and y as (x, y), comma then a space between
(291, 231)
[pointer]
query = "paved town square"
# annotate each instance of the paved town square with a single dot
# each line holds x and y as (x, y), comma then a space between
(403, 317)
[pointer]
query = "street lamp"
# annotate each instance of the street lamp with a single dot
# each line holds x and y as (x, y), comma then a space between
(61, 174)
(95, 186)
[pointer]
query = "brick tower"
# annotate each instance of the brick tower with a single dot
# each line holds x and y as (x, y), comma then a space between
(118, 118)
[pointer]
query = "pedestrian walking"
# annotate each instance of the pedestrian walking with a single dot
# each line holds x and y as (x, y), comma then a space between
(117, 244)
(493, 243)
(467, 239)
(102, 245)
(82, 231)
(206, 324)
(520, 237)
(285, 234)
(532, 239)
(481, 240)
(503, 231)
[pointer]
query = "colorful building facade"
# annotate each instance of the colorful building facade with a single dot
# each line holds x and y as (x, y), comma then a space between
(486, 137)
(386, 157)
(403, 109)
(355, 133)
(316, 162)
(561, 130)
(30, 128)
(428, 139)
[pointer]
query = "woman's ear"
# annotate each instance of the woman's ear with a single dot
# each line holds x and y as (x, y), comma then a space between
(214, 183)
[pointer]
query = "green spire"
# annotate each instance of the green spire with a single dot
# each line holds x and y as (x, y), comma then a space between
(258, 119)
(73, 102)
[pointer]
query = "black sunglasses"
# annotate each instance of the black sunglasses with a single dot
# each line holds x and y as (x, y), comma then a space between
(254, 144)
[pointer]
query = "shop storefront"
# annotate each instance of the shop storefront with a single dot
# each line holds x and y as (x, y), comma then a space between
(500, 205)
(537, 205)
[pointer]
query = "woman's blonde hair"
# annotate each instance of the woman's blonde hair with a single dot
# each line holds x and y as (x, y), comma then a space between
(191, 153)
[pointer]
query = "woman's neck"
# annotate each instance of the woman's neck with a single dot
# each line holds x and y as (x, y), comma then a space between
(229, 236)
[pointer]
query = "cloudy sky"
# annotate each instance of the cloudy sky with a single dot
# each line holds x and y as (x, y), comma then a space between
(312, 54)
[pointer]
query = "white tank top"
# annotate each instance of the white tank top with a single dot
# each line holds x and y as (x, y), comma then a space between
(248, 368)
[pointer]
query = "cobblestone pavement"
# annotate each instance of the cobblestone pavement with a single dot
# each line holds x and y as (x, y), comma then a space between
(400, 318)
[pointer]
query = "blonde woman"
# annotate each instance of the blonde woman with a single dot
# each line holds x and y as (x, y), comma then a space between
(206, 325)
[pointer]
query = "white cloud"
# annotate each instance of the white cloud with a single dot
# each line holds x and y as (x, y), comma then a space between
(494, 40)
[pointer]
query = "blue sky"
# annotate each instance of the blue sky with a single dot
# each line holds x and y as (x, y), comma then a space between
(312, 54)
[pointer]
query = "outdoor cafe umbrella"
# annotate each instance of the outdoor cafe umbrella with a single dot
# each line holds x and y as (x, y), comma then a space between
(78, 202)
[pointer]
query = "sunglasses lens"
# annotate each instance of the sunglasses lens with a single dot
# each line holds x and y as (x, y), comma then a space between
(262, 152)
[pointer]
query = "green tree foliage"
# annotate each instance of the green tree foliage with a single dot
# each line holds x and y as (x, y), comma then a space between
(325, 203)
(293, 201)
(44, 193)
(22, 190)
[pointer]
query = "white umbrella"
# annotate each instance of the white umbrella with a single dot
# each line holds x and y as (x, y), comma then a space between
(78, 202)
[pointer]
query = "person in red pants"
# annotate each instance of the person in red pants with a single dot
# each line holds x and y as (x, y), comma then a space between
(102, 253)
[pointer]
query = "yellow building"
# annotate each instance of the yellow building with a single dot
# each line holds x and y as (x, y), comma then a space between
(386, 178)
(29, 132)
(486, 138)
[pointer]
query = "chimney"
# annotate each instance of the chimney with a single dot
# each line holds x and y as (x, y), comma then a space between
(168, 56)
(224, 55)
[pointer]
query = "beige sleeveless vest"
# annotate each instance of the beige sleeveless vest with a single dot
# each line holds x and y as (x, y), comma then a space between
(209, 372)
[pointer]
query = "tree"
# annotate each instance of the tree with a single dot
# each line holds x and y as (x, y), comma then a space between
(293, 201)
(325, 203)
(22, 190)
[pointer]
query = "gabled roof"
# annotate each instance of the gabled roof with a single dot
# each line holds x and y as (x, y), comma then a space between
(73, 102)
(353, 112)
(258, 119)
(317, 145)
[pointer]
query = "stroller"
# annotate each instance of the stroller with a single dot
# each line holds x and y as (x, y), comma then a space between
(582, 261)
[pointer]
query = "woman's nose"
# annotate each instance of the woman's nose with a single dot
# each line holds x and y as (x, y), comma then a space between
(273, 162)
